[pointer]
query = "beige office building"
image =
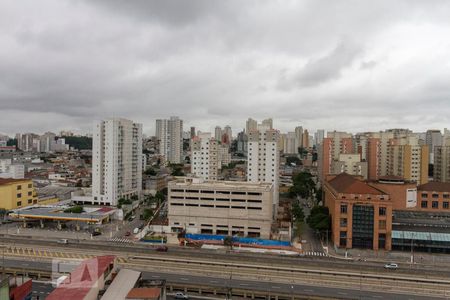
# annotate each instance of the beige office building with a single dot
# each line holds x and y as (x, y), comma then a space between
(442, 159)
(220, 207)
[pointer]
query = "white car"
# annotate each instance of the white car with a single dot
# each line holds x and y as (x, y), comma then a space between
(180, 295)
(391, 266)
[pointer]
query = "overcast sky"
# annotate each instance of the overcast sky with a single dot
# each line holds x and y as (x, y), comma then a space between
(344, 65)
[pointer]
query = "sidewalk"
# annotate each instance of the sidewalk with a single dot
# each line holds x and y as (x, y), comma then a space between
(391, 256)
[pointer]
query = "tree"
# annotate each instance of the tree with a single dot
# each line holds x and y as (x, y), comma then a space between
(159, 196)
(297, 212)
(304, 185)
(319, 195)
(177, 172)
(228, 241)
(148, 213)
(134, 198)
(150, 172)
(74, 210)
(319, 218)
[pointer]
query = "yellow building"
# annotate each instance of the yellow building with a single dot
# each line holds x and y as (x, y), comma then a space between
(16, 193)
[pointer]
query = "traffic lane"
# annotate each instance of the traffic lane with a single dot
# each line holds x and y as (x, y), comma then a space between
(267, 259)
(295, 289)
(41, 289)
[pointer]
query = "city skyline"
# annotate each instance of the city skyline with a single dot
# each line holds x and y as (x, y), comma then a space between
(309, 63)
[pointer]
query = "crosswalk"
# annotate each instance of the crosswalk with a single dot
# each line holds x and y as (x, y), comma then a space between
(121, 240)
(314, 253)
(47, 253)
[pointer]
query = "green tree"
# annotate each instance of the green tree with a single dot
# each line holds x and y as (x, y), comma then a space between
(228, 241)
(148, 213)
(319, 218)
(150, 172)
(74, 210)
(304, 185)
(297, 212)
(159, 196)
(293, 160)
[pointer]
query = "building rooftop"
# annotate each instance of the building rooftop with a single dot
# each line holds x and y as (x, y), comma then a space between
(348, 184)
(122, 284)
(4, 181)
(82, 279)
(144, 293)
(187, 181)
(434, 186)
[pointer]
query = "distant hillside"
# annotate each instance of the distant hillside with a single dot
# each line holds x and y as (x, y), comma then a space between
(79, 142)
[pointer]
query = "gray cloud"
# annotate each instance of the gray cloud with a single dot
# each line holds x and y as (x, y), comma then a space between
(65, 63)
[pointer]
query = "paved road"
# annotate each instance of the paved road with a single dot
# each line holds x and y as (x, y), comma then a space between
(233, 283)
(182, 252)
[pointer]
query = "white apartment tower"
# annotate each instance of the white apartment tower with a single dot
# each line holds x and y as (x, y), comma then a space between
(116, 160)
(170, 136)
(264, 157)
(204, 156)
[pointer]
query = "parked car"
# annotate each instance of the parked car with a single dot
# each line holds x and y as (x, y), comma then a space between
(162, 248)
(180, 295)
(63, 241)
(95, 233)
(391, 266)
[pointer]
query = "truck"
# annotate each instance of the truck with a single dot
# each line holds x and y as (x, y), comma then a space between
(136, 230)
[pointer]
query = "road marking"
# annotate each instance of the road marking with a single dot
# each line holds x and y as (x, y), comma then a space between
(185, 279)
(155, 276)
(342, 293)
(275, 287)
(213, 281)
(309, 290)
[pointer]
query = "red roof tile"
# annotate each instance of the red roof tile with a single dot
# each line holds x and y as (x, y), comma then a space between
(348, 184)
(435, 186)
(144, 293)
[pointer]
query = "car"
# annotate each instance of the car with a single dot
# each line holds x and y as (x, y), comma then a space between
(391, 266)
(162, 248)
(95, 233)
(63, 241)
(180, 295)
(127, 233)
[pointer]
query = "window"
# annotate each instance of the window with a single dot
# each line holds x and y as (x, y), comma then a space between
(343, 208)
(446, 196)
(30, 201)
(382, 224)
(19, 195)
(343, 222)
(424, 204)
(30, 185)
(424, 195)
(434, 204)
(30, 193)
(19, 203)
(19, 187)
(445, 204)
(343, 239)
(435, 195)
(382, 211)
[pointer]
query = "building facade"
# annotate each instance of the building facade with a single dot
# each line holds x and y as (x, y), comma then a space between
(264, 158)
(361, 215)
(16, 193)
(170, 136)
(220, 207)
(116, 161)
(205, 157)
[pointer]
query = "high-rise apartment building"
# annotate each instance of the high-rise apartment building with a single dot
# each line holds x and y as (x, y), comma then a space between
(333, 145)
(350, 164)
(433, 138)
(305, 142)
(268, 123)
(441, 170)
(264, 157)
(229, 133)
(192, 132)
(290, 143)
(170, 136)
(218, 133)
(251, 125)
(319, 136)
(298, 137)
(204, 156)
(116, 160)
